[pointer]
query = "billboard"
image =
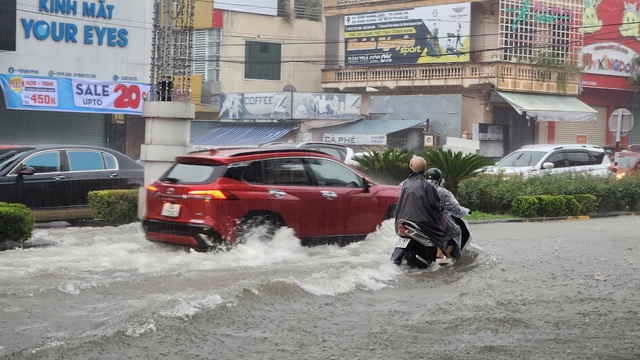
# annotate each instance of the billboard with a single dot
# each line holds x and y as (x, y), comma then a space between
(24, 92)
(429, 34)
(290, 105)
(611, 43)
(91, 39)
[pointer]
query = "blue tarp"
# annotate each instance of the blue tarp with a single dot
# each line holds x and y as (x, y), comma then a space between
(241, 134)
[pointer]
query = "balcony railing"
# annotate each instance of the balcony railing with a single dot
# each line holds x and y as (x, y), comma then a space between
(499, 75)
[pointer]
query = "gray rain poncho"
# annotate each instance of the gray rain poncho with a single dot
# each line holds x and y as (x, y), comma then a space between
(419, 203)
(450, 206)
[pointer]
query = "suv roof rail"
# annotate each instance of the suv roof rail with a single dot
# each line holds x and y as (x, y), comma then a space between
(561, 146)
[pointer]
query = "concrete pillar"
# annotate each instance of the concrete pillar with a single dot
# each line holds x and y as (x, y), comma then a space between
(167, 129)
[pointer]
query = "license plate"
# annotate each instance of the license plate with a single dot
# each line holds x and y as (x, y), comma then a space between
(169, 209)
(402, 243)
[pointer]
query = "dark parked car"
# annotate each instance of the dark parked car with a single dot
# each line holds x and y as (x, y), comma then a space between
(54, 180)
(206, 198)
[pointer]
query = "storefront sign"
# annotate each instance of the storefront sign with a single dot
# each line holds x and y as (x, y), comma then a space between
(611, 43)
(290, 105)
(256, 106)
(582, 139)
(87, 39)
(72, 95)
(430, 34)
(609, 58)
(356, 139)
(541, 13)
(59, 30)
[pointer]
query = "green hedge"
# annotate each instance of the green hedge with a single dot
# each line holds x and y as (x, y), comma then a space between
(115, 207)
(495, 194)
(16, 222)
(553, 205)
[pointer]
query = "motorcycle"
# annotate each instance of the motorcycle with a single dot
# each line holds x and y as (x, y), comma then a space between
(415, 249)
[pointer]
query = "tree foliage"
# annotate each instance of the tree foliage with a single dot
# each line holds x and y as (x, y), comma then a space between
(388, 166)
(456, 166)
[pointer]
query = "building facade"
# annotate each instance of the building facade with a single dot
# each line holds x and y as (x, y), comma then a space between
(73, 71)
(516, 65)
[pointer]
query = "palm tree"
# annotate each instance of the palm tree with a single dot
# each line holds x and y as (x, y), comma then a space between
(389, 166)
(456, 166)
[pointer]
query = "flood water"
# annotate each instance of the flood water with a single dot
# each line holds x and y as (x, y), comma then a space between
(539, 290)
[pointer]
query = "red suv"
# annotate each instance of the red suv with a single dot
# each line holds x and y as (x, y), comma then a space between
(208, 198)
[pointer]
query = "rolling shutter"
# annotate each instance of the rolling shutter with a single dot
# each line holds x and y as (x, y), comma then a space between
(49, 127)
(596, 131)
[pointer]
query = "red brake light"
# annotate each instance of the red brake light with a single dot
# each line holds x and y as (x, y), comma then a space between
(402, 230)
(216, 194)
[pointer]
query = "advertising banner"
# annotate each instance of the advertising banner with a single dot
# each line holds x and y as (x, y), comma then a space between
(326, 106)
(275, 105)
(290, 105)
(429, 34)
(24, 92)
(611, 43)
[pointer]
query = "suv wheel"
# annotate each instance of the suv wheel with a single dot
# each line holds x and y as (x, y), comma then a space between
(264, 225)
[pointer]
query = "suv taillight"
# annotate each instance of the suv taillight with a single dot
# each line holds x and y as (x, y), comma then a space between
(215, 194)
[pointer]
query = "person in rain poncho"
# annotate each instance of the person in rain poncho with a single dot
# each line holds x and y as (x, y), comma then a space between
(419, 203)
(450, 207)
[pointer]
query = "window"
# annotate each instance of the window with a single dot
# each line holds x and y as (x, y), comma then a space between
(262, 60)
(308, 9)
(193, 174)
(110, 161)
(578, 158)
(288, 171)
(206, 54)
(85, 160)
(557, 159)
(331, 173)
(44, 162)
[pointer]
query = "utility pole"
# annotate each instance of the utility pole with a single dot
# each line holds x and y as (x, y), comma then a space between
(168, 111)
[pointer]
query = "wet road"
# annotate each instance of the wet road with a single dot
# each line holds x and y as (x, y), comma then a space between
(544, 290)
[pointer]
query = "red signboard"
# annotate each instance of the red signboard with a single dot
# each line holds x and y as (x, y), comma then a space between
(611, 43)
(582, 139)
(217, 19)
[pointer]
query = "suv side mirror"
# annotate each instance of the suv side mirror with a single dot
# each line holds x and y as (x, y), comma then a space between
(548, 165)
(27, 170)
(365, 185)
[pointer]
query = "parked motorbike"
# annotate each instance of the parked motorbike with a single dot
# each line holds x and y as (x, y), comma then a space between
(415, 249)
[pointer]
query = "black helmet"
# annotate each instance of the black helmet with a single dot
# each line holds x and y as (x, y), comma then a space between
(436, 175)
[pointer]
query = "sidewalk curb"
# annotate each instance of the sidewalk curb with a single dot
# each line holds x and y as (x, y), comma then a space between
(543, 219)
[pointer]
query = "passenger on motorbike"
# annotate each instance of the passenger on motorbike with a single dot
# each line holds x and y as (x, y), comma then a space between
(419, 202)
(450, 207)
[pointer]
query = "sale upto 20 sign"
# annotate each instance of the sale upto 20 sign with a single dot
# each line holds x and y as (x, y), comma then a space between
(24, 92)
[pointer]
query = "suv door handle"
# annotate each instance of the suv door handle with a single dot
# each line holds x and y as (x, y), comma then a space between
(112, 175)
(278, 193)
(59, 177)
(330, 195)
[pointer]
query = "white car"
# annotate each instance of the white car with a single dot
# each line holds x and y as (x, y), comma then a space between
(338, 151)
(531, 160)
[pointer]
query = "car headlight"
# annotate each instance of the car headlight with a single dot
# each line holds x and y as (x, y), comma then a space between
(619, 175)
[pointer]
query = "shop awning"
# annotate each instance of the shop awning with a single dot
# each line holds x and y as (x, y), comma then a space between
(548, 107)
(369, 132)
(239, 134)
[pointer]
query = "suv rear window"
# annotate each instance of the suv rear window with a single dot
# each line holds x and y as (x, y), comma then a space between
(193, 173)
